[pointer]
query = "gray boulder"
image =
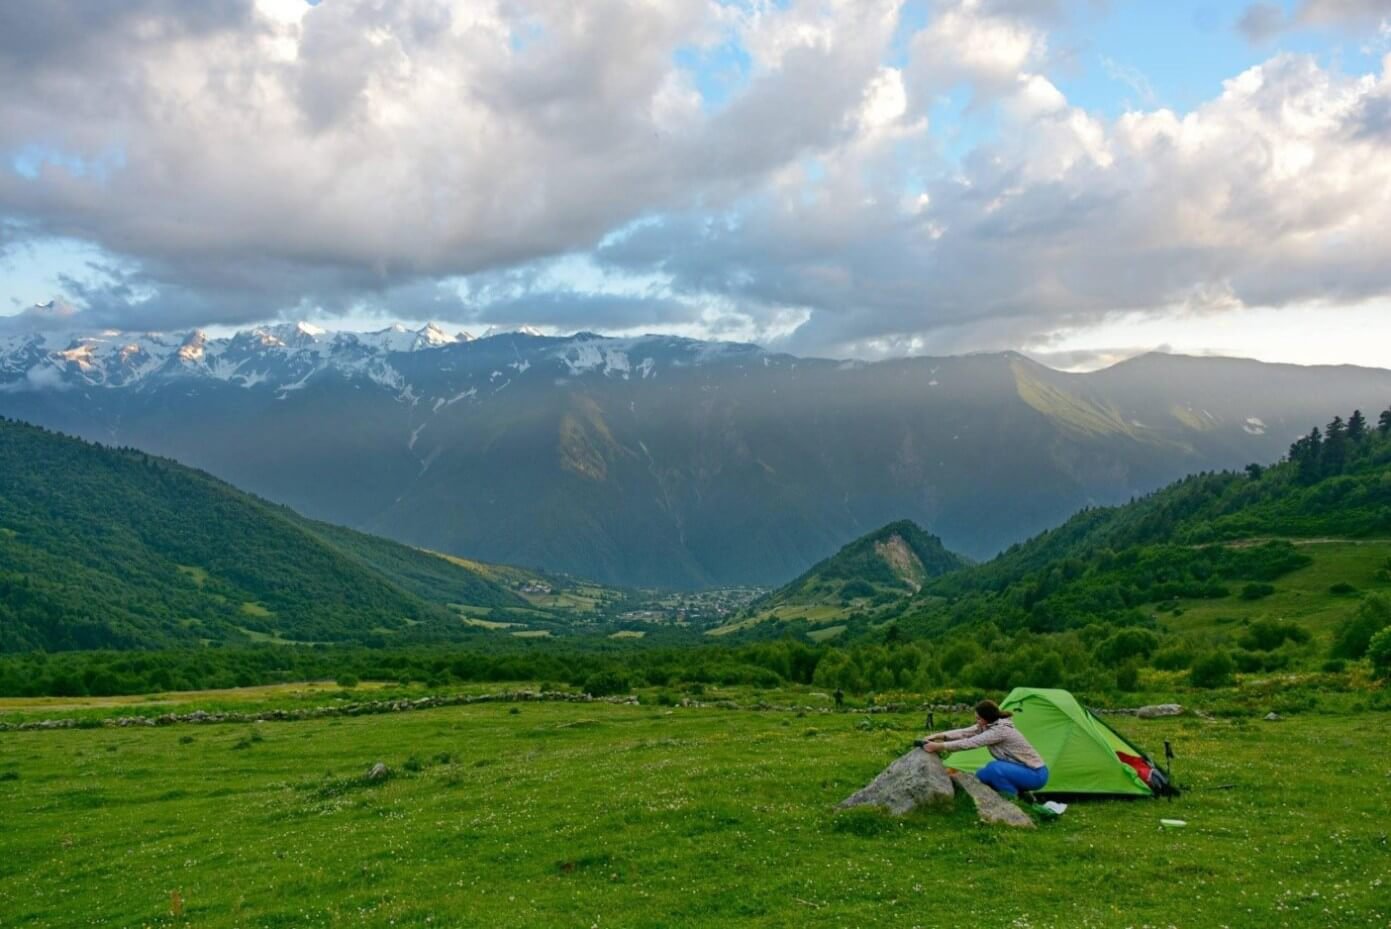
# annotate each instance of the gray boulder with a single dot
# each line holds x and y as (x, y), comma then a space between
(1273, 717)
(1161, 709)
(915, 779)
(378, 772)
(990, 806)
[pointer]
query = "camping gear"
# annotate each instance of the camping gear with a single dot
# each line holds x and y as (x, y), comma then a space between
(1083, 754)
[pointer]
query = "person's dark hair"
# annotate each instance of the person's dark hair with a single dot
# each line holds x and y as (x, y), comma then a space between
(990, 711)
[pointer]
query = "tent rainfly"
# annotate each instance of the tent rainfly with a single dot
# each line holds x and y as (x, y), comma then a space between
(1084, 755)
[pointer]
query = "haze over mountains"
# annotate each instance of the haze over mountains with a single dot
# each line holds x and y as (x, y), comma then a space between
(659, 460)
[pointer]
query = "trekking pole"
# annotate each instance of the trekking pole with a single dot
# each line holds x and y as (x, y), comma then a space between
(1169, 762)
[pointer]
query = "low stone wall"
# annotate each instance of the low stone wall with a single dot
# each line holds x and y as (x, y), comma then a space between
(319, 712)
(513, 696)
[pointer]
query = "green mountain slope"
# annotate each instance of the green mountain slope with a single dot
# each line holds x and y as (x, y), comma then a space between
(1213, 544)
(881, 567)
(113, 548)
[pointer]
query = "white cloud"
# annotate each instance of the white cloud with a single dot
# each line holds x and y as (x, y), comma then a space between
(490, 159)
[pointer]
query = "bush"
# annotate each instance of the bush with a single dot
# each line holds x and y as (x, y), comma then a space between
(1269, 634)
(606, 683)
(1126, 644)
(347, 680)
(1257, 591)
(1173, 658)
(1215, 669)
(1379, 651)
(1356, 632)
(1128, 677)
(1342, 589)
(1334, 666)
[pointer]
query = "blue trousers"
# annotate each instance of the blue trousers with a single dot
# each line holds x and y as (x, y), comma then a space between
(1009, 778)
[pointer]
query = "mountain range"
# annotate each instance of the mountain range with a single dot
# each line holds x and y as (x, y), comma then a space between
(657, 460)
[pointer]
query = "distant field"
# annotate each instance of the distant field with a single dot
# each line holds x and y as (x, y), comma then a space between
(1304, 596)
(560, 815)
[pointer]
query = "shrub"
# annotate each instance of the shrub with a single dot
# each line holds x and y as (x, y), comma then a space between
(1268, 634)
(1214, 669)
(1257, 591)
(1356, 632)
(606, 683)
(1125, 644)
(1379, 651)
(1334, 666)
(1128, 677)
(1342, 589)
(413, 764)
(347, 680)
(1173, 658)
(1248, 662)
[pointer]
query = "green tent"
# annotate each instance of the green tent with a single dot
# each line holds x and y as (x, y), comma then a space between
(1080, 749)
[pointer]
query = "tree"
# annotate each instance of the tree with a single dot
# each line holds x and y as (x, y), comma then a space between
(1354, 634)
(1357, 427)
(1307, 453)
(1335, 447)
(1384, 423)
(1379, 651)
(1254, 471)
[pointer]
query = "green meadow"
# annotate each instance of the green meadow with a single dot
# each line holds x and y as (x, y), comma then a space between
(602, 815)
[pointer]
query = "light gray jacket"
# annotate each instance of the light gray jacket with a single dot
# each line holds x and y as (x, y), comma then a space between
(1002, 740)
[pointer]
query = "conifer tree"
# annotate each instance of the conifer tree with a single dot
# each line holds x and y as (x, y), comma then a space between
(1384, 423)
(1335, 447)
(1357, 427)
(1307, 454)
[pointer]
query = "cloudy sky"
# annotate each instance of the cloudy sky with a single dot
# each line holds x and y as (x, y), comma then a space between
(1080, 179)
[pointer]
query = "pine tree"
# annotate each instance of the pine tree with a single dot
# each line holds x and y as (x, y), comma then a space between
(1384, 423)
(1357, 427)
(1335, 447)
(1307, 455)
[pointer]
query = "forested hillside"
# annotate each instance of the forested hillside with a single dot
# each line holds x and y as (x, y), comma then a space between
(880, 567)
(1104, 562)
(114, 548)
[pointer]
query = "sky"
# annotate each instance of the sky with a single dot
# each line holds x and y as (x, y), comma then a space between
(1081, 180)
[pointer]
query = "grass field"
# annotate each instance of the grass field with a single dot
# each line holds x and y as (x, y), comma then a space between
(1305, 596)
(559, 815)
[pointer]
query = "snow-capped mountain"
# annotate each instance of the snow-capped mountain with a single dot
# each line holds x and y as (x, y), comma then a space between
(289, 356)
(659, 460)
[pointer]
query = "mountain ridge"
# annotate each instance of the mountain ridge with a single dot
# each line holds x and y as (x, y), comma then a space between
(659, 461)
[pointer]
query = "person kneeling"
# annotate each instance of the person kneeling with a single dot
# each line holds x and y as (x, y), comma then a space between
(1017, 765)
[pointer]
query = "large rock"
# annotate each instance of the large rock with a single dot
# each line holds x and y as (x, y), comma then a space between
(916, 779)
(1161, 709)
(990, 806)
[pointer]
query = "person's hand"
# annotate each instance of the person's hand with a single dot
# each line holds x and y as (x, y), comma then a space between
(932, 748)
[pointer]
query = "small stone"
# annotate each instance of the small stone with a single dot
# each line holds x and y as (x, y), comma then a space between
(1273, 717)
(378, 772)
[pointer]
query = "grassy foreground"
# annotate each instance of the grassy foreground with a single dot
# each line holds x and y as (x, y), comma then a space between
(559, 815)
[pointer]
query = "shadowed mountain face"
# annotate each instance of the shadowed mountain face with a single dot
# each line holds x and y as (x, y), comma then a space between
(664, 461)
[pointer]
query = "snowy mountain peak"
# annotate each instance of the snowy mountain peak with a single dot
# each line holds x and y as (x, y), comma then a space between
(194, 347)
(520, 330)
(426, 363)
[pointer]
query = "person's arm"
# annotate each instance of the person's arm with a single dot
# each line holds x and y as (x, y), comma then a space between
(979, 740)
(953, 734)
